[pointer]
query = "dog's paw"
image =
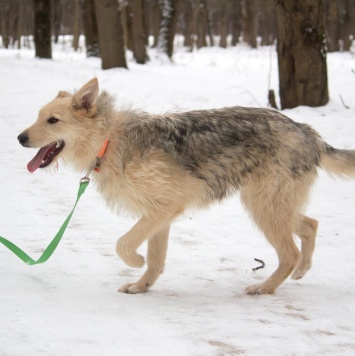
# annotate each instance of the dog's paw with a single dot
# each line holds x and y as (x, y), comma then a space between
(134, 260)
(132, 288)
(300, 272)
(262, 288)
(130, 258)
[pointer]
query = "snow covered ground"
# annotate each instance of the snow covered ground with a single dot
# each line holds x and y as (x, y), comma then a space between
(69, 305)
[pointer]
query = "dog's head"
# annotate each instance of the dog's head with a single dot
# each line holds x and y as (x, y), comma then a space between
(61, 125)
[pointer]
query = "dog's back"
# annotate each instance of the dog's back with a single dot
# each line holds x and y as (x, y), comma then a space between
(228, 147)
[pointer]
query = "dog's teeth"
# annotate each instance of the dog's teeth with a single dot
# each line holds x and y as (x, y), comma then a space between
(57, 145)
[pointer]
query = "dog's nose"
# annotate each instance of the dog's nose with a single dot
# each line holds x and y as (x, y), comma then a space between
(23, 138)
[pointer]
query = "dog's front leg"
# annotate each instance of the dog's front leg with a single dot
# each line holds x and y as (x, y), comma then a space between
(144, 229)
(157, 247)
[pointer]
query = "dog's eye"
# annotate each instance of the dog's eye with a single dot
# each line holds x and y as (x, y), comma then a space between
(52, 120)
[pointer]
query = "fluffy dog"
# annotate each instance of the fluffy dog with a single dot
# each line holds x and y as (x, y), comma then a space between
(157, 166)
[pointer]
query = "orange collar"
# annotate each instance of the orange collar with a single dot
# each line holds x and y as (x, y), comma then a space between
(101, 154)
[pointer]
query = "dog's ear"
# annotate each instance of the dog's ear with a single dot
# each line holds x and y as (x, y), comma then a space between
(86, 97)
(63, 94)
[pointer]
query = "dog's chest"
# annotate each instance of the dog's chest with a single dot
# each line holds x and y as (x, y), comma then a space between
(120, 194)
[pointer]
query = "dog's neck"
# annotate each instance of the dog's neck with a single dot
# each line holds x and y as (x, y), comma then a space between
(100, 154)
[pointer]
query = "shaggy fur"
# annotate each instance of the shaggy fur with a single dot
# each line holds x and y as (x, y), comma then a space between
(156, 167)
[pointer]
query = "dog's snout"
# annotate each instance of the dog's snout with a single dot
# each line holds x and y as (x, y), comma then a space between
(23, 138)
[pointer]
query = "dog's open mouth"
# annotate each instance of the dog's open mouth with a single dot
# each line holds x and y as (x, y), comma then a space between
(45, 156)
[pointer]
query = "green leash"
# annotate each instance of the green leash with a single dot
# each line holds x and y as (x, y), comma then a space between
(84, 182)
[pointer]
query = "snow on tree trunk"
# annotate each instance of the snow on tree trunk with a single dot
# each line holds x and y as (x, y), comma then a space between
(167, 26)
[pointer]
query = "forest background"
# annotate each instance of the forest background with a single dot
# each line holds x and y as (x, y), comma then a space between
(305, 30)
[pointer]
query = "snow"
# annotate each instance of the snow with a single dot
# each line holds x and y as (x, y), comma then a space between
(70, 304)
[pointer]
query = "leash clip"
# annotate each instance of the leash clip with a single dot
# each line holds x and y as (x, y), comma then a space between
(86, 179)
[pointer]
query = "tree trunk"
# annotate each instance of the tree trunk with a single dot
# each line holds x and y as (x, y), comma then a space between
(42, 31)
(236, 22)
(56, 19)
(349, 24)
(127, 24)
(201, 23)
(76, 24)
(156, 19)
(250, 23)
(267, 22)
(18, 19)
(169, 9)
(110, 33)
(139, 33)
(9, 20)
(90, 28)
(301, 53)
(223, 31)
(188, 19)
(332, 25)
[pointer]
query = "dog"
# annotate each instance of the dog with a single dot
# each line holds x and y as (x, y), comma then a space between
(158, 166)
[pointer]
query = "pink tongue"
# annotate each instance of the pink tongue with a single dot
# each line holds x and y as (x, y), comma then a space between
(36, 161)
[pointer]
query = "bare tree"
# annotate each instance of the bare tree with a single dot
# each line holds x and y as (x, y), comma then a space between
(9, 11)
(267, 22)
(110, 33)
(188, 23)
(236, 21)
(250, 12)
(127, 23)
(56, 8)
(139, 33)
(169, 9)
(348, 28)
(155, 19)
(201, 23)
(332, 13)
(42, 35)
(90, 28)
(223, 28)
(301, 53)
(76, 24)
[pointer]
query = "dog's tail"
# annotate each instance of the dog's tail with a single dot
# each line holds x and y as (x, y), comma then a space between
(338, 162)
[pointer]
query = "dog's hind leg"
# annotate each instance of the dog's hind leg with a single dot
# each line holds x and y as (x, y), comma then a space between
(289, 256)
(274, 211)
(157, 247)
(306, 230)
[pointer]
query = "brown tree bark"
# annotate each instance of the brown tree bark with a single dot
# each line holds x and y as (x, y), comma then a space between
(201, 23)
(332, 13)
(110, 33)
(9, 10)
(236, 21)
(127, 24)
(267, 22)
(348, 28)
(250, 10)
(301, 53)
(42, 31)
(56, 6)
(223, 29)
(155, 20)
(76, 24)
(90, 28)
(138, 32)
(188, 21)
